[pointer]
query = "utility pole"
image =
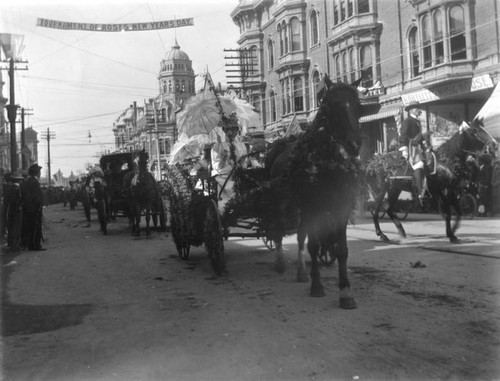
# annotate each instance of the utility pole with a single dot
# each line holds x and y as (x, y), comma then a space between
(24, 162)
(48, 136)
(12, 47)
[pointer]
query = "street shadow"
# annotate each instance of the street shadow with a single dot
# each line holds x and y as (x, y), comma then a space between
(24, 319)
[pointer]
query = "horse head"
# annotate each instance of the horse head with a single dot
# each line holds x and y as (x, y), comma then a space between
(339, 113)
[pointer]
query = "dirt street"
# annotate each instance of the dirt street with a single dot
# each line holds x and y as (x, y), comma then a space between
(96, 307)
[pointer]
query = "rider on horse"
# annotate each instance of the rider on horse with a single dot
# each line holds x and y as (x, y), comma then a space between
(413, 147)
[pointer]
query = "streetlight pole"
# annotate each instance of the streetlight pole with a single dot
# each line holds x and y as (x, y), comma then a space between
(11, 115)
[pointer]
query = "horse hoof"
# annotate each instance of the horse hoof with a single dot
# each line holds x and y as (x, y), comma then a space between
(454, 240)
(384, 238)
(348, 303)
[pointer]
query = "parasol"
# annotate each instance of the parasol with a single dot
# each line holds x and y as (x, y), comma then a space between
(201, 113)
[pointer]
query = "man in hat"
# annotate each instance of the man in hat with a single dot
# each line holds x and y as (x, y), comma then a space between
(32, 197)
(410, 140)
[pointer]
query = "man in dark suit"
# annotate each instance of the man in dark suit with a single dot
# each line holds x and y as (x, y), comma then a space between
(32, 197)
(410, 141)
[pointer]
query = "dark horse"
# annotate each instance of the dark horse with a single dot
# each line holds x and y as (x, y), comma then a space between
(142, 194)
(317, 172)
(384, 175)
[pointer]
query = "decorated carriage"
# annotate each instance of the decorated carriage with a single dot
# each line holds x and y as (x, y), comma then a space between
(217, 183)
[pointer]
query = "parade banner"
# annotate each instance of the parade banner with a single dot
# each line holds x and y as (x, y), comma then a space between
(127, 27)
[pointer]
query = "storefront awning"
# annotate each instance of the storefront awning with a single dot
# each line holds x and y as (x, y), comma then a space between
(490, 113)
(385, 111)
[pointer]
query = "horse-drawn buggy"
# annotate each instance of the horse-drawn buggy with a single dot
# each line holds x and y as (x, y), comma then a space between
(304, 184)
(129, 190)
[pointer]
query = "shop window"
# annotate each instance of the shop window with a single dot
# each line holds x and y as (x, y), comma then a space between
(296, 39)
(457, 34)
(298, 96)
(314, 28)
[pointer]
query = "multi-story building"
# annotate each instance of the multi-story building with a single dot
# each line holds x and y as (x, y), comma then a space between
(152, 126)
(443, 53)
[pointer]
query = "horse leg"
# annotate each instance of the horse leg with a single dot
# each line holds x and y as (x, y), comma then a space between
(346, 301)
(137, 223)
(392, 198)
(379, 199)
(279, 264)
(148, 217)
(317, 289)
(301, 266)
(447, 199)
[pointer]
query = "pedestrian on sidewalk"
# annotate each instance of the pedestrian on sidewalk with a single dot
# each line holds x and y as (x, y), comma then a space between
(32, 198)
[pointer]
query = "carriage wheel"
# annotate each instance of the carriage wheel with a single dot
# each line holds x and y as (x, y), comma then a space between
(214, 238)
(468, 205)
(269, 243)
(183, 248)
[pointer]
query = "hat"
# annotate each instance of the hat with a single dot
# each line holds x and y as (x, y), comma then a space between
(412, 104)
(33, 169)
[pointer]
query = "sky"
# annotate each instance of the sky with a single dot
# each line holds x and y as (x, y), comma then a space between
(78, 82)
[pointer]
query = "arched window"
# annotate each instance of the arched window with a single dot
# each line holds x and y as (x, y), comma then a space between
(344, 67)
(414, 56)
(177, 86)
(169, 86)
(183, 86)
(280, 34)
(352, 65)
(285, 37)
(288, 95)
(338, 71)
(164, 86)
(296, 39)
(298, 96)
(270, 54)
(437, 30)
(426, 41)
(457, 34)
(272, 108)
(315, 85)
(314, 28)
(366, 66)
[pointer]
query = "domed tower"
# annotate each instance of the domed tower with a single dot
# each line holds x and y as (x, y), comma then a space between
(176, 78)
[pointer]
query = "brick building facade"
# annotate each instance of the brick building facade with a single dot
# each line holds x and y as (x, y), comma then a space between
(443, 53)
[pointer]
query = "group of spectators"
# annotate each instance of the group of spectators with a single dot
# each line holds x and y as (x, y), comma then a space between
(22, 210)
